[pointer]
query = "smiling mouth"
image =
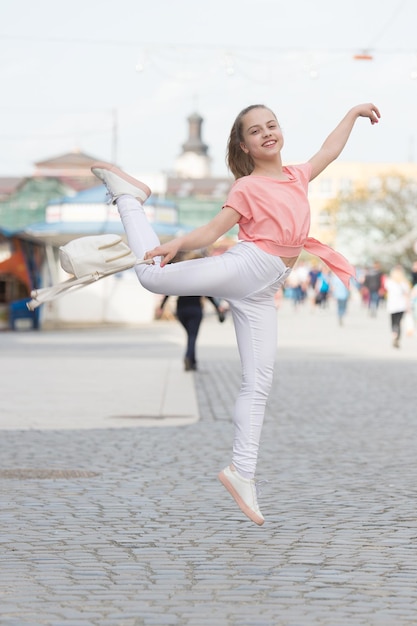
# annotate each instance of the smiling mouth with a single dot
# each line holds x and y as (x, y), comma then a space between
(268, 143)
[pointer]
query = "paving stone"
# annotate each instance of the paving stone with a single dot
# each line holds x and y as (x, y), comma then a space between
(152, 539)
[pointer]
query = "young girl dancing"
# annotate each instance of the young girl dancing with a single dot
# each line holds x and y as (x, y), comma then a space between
(269, 202)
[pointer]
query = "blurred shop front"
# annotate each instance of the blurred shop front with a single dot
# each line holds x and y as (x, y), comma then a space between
(29, 259)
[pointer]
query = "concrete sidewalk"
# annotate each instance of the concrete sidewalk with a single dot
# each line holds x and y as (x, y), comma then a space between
(94, 378)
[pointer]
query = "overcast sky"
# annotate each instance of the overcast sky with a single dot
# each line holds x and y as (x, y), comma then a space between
(73, 72)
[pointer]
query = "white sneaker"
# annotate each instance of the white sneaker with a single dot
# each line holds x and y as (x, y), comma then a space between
(118, 183)
(243, 491)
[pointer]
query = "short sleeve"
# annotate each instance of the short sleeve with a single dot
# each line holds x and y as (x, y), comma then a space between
(238, 200)
(302, 172)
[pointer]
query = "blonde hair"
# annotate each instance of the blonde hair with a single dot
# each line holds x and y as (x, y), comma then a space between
(240, 163)
(397, 274)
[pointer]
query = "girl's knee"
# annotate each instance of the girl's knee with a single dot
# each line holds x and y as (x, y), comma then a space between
(259, 383)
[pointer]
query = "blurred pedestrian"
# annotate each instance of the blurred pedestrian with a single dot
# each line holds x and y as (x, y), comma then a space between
(189, 312)
(374, 287)
(302, 280)
(340, 293)
(398, 300)
(322, 287)
(413, 305)
(414, 274)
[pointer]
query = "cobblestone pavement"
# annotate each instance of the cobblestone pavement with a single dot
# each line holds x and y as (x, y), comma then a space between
(129, 526)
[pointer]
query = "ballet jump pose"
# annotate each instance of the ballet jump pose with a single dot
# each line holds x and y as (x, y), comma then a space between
(269, 202)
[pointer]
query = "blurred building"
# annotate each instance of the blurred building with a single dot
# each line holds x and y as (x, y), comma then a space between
(342, 176)
(62, 201)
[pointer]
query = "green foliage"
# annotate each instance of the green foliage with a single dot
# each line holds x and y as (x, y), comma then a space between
(378, 222)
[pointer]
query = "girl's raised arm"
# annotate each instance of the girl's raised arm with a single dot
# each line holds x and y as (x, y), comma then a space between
(337, 139)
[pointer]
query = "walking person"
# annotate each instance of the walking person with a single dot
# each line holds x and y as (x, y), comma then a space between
(269, 203)
(323, 288)
(373, 284)
(398, 300)
(341, 294)
(189, 312)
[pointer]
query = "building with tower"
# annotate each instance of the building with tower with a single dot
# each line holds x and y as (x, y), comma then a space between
(194, 161)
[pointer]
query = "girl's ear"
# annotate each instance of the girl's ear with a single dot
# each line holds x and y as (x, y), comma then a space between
(244, 148)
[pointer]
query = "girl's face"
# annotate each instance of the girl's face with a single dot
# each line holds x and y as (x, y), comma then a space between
(262, 135)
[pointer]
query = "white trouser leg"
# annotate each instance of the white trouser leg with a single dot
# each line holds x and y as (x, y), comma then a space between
(255, 322)
(140, 235)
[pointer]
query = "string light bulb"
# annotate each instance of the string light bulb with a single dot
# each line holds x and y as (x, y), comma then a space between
(365, 55)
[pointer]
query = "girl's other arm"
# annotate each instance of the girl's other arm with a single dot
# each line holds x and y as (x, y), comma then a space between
(198, 238)
(337, 139)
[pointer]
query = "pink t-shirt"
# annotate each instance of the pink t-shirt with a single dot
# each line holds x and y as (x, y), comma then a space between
(275, 215)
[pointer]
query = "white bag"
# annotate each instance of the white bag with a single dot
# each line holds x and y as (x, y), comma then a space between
(98, 253)
(88, 259)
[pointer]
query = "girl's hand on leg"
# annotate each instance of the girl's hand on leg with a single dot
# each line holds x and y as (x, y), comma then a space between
(167, 251)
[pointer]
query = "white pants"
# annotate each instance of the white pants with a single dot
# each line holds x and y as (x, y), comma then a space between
(248, 279)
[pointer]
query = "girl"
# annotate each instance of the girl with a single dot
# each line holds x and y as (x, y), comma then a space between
(269, 202)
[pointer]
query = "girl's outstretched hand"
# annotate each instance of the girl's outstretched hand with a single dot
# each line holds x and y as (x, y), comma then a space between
(368, 110)
(167, 251)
